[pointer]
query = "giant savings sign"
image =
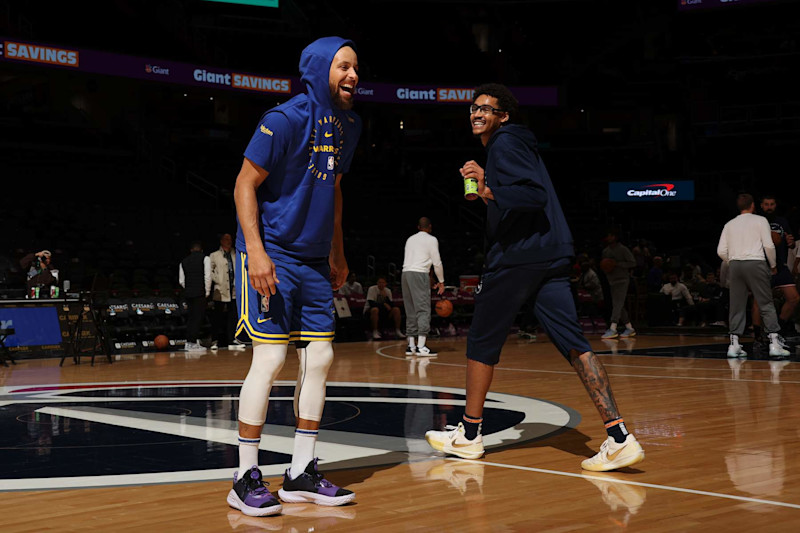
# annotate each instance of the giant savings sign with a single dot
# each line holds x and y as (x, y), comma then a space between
(219, 77)
(650, 191)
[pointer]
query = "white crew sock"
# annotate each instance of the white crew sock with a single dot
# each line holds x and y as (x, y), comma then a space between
(629, 326)
(248, 454)
(305, 441)
(613, 326)
(412, 342)
(421, 341)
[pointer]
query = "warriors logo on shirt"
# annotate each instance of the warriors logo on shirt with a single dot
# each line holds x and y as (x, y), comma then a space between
(325, 146)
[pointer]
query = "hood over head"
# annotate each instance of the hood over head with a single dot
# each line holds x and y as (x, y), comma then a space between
(315, 66)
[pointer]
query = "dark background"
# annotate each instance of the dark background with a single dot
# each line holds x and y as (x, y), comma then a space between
(115, 175)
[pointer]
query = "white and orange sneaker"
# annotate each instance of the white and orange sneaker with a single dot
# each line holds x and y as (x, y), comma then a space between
(452, 441)
(612, 455)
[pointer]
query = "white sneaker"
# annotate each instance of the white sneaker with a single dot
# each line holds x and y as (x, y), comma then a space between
(214, 346)
(376, 335)
(612, 455)
(453, 441)
(777, 350)
(193, 347)
(425, 351)
(736, 350)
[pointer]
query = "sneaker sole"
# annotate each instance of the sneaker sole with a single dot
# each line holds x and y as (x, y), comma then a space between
(621, 462)
(299, 496)
(236, 503)
(440, 446)
(463, 453)
(435, 444)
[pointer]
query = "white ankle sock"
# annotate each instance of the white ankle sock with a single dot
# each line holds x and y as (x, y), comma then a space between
(305, 441)
(248, 454)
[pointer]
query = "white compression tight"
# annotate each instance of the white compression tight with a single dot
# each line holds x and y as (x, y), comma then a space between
(309, 394)
(267, 362)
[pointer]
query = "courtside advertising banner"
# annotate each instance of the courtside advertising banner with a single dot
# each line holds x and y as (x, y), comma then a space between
(190, 75)
(651, 191)
(690, 5)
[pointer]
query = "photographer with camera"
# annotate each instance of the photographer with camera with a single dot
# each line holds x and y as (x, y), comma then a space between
(40, 272)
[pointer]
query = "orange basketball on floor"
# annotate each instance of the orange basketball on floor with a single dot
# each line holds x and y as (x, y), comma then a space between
(444, 308)
(161, 342)
(607, 265)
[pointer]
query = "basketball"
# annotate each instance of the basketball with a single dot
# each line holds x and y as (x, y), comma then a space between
(161, 342)
(444, 308)
(607, 265)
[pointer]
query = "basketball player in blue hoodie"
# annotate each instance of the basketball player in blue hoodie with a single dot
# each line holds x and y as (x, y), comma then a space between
(289, 210)
(529, 254)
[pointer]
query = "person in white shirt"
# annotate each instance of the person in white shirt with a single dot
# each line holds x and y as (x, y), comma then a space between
(351, 286)
(224, 314)
(421, 252)
(380, 308)
(681, 297)
(746, 245)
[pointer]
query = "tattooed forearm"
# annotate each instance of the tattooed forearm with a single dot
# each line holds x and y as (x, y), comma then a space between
(594, 378)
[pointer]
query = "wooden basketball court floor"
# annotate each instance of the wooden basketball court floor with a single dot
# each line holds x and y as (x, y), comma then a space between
(148, 443)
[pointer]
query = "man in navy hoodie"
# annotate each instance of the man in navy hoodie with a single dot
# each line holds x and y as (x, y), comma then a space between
(290, 247)
(529, 253)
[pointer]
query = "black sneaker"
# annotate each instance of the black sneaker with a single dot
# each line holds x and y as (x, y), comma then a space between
(426, 351)
(311, 486)
(251, 496)
(411, 350)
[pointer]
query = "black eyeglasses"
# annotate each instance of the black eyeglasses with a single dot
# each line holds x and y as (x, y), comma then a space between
(485, 109)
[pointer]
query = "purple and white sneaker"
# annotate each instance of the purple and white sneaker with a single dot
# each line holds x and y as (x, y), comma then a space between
(251, 496)
(311, 486)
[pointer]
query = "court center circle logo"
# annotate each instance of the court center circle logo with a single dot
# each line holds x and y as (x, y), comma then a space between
(115, 434)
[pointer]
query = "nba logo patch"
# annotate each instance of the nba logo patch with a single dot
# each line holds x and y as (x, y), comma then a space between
(330, 162)
(264, 305)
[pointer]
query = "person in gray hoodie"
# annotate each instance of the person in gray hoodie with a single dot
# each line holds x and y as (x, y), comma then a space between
(529, 255)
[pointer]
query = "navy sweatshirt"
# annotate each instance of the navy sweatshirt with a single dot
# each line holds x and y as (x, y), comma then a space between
(525, 223)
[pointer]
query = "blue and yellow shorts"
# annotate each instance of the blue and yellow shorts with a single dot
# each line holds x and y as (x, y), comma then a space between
(300, 310)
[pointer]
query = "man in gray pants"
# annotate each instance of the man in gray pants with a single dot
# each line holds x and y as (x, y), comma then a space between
(619, 277)
(746, 245)
(421, 252)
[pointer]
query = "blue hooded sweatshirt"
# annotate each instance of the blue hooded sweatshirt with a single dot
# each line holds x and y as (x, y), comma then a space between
(303, 144)
(524, 222)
